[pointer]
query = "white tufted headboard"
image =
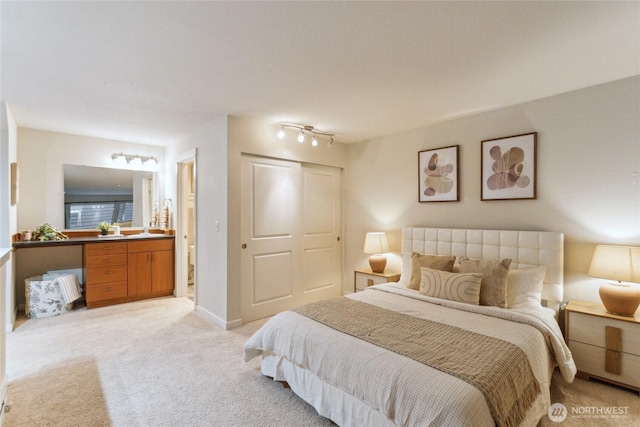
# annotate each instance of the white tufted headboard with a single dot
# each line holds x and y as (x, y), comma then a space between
(525, 248)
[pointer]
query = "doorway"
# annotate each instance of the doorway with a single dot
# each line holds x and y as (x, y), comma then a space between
(186, 281)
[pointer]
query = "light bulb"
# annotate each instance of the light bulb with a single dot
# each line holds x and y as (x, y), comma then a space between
(136, 161)
(281, 133)
(119, 159)
(314, 141)
(151, 162)
(301, 136)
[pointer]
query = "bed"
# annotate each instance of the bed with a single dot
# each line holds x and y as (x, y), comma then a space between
(433, 355)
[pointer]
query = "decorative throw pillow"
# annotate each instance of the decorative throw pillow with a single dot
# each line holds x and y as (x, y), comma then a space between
(494, 279)
(436, 262)
(524, 287)
(452, 286)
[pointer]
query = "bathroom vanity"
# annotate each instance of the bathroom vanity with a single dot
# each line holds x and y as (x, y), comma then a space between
(117, 269)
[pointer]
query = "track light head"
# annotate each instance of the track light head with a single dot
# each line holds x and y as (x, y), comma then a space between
(309, 129)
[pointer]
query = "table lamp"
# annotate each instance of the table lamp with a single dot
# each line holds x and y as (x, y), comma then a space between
(621, 263)
(376, 244)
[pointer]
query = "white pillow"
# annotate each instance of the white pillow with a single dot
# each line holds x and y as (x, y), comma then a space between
(461, 287)
(405, 269)
(524, 287)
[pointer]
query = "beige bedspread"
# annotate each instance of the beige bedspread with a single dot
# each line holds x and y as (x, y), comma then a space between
(393, 389)
(499, 369)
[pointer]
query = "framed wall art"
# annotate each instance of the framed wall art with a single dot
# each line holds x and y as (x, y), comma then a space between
(508, 167)
(438, 175)
(15, 183)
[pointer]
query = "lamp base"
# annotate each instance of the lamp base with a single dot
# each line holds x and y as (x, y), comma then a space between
(377, 263)
(620, 299)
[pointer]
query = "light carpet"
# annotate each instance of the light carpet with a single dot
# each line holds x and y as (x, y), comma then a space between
(158, 363)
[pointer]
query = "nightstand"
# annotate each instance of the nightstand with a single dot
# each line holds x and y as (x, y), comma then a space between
(604, 346)
(366, 278)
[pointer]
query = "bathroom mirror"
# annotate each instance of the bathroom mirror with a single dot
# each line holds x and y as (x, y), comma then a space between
(94, 194)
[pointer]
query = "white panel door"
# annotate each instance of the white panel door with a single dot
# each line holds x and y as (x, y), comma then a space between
(291, 249)
(270, 224)
(321, 246)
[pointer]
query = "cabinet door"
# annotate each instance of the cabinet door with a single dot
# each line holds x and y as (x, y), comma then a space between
(139, 273)
(162, 272)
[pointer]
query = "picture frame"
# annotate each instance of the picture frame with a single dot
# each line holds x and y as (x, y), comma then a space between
(15, 183)
(438, 175)
(508, 167)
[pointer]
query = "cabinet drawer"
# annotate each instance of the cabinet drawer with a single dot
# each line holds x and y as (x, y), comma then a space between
(591, 359)
(106, 291)
(151, 245)
(363, 280)
(589, 329)
(107, 274)
(106, 260)
(105, 248)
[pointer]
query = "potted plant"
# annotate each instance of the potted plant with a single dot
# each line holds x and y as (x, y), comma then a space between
(104, 227)
(47, 232)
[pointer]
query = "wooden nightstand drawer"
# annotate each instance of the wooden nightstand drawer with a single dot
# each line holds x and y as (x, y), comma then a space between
(604, 345)
(591, 330)
(364, 279)
(592, 359)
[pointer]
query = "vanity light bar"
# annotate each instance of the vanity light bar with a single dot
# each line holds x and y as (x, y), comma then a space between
(134, 159)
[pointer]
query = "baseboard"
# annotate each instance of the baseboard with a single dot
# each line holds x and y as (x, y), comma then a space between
(222, 324)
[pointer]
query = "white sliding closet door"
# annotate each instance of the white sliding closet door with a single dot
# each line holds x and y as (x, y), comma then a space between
(291, 248)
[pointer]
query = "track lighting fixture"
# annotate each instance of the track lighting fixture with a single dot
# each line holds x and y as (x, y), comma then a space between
(306, 129)
(133, 159)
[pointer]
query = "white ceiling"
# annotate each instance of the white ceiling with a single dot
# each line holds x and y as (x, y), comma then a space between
(152, 72)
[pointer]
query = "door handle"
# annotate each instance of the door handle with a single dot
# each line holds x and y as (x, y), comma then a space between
(244, 246)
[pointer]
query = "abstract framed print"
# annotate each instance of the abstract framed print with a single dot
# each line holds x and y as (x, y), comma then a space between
(438, 175)
(508, 167)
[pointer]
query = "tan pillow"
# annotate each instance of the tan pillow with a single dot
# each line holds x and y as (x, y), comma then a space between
(436, 262)
(452, 286)
(494, 279)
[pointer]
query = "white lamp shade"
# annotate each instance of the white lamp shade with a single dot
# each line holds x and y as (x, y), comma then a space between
(621, 263)
(376, 243)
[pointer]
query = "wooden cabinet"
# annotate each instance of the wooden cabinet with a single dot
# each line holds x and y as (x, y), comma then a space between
(151, 267)
(105, 271)
(604, 345)
(366, 278)
(122, 271)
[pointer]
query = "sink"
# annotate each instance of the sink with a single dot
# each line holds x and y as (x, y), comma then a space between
(145, 235)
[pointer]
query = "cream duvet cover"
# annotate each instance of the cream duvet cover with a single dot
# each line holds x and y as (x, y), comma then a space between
(356, 383)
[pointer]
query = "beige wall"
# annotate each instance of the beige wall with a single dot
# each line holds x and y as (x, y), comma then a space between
(8, 212)
(42, 154)
(588, 185)
(220, 146)
(210, 143)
